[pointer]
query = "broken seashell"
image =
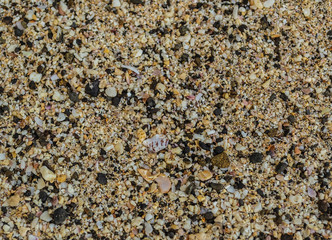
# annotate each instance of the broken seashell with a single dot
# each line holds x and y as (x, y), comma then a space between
(156, 143)
(164, 183)
(147, 175)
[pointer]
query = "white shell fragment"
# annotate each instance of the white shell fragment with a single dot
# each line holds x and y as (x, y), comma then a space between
(157, 143)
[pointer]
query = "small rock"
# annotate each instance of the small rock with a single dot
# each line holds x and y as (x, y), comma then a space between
(73, 96)
(101, 178)
(281, 167)
(13, 201)
(141, 135)
(148, 228)
(116, 3)
(217, 186)
(47, 174)
(43, 196)
(258, 207)
(40, 184)
(92, 89)
(205, 175)
(256, 157)
(18, 32)
(46, 217)
(323, 206)
(69, 57)
(111, 91)
(268, 3)
(221, 160)
(164, 183)
(59, 215)
(36, 77)
(118, 147)
(218, 150)
(311, 193)
(199, 236)
(57, 96)
(136, 1)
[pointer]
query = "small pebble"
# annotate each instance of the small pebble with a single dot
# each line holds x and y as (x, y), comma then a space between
(47, 174)
(101, 178)
(164, 183)
(256, 157)
(221, 160)
(59, 215)
(204, 175)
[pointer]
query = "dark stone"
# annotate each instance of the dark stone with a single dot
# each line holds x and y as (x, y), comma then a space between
(136, 1)
(217, 150)
(43, 196)
(32, 85)
(265, 23)
(217, 186)
(183, 30)
(18, 32)
(69, 57)
(291, 118)
(92, 89)
(7, 20)
(73, 96)
(217, 112)
(190, 189)
(177, 46)
(209, 217)
(60, 215)
(150, 102)
(286, 236)
(283, 96)
(273, 97)
(329, 34)
(204, 146)
(260, 192)
(184, 58)
(238, 184)
(323, 206)
(27, 193)
(281, 167)
(256, 157)
(116, 101)
(242, 27)
(101, 178)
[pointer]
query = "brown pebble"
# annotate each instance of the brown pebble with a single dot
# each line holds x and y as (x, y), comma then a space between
(221, 160)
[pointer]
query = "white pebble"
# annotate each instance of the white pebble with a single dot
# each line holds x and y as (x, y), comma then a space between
(148, 228)
(116, 3)
(258, 207)
(111, 91)
(268, 3)
(230, 189)
(46, 216)
(61, 117)
(47, 174)
(36, 77)
(148, 217)
(2, 156)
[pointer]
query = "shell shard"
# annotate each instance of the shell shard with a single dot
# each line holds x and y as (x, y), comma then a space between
(156, 143)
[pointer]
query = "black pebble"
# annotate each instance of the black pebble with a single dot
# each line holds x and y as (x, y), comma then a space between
(8, 20)
(256, 157)
(101, 178)
(329, 34)
(204, 146)
(286, 237)
(217, 112)
(116, 101)
(136, 1)
(27, 193)
(281, 167)
(209, 217)
(323, 206)
(18, 32)
(218, 150)
(216, 186)
(43, 196)
(92, 89)
(32, 85)
(291, 118)
(59, 215)
(283, 96)
(73, 96)
(260, 192)
(150, 102)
